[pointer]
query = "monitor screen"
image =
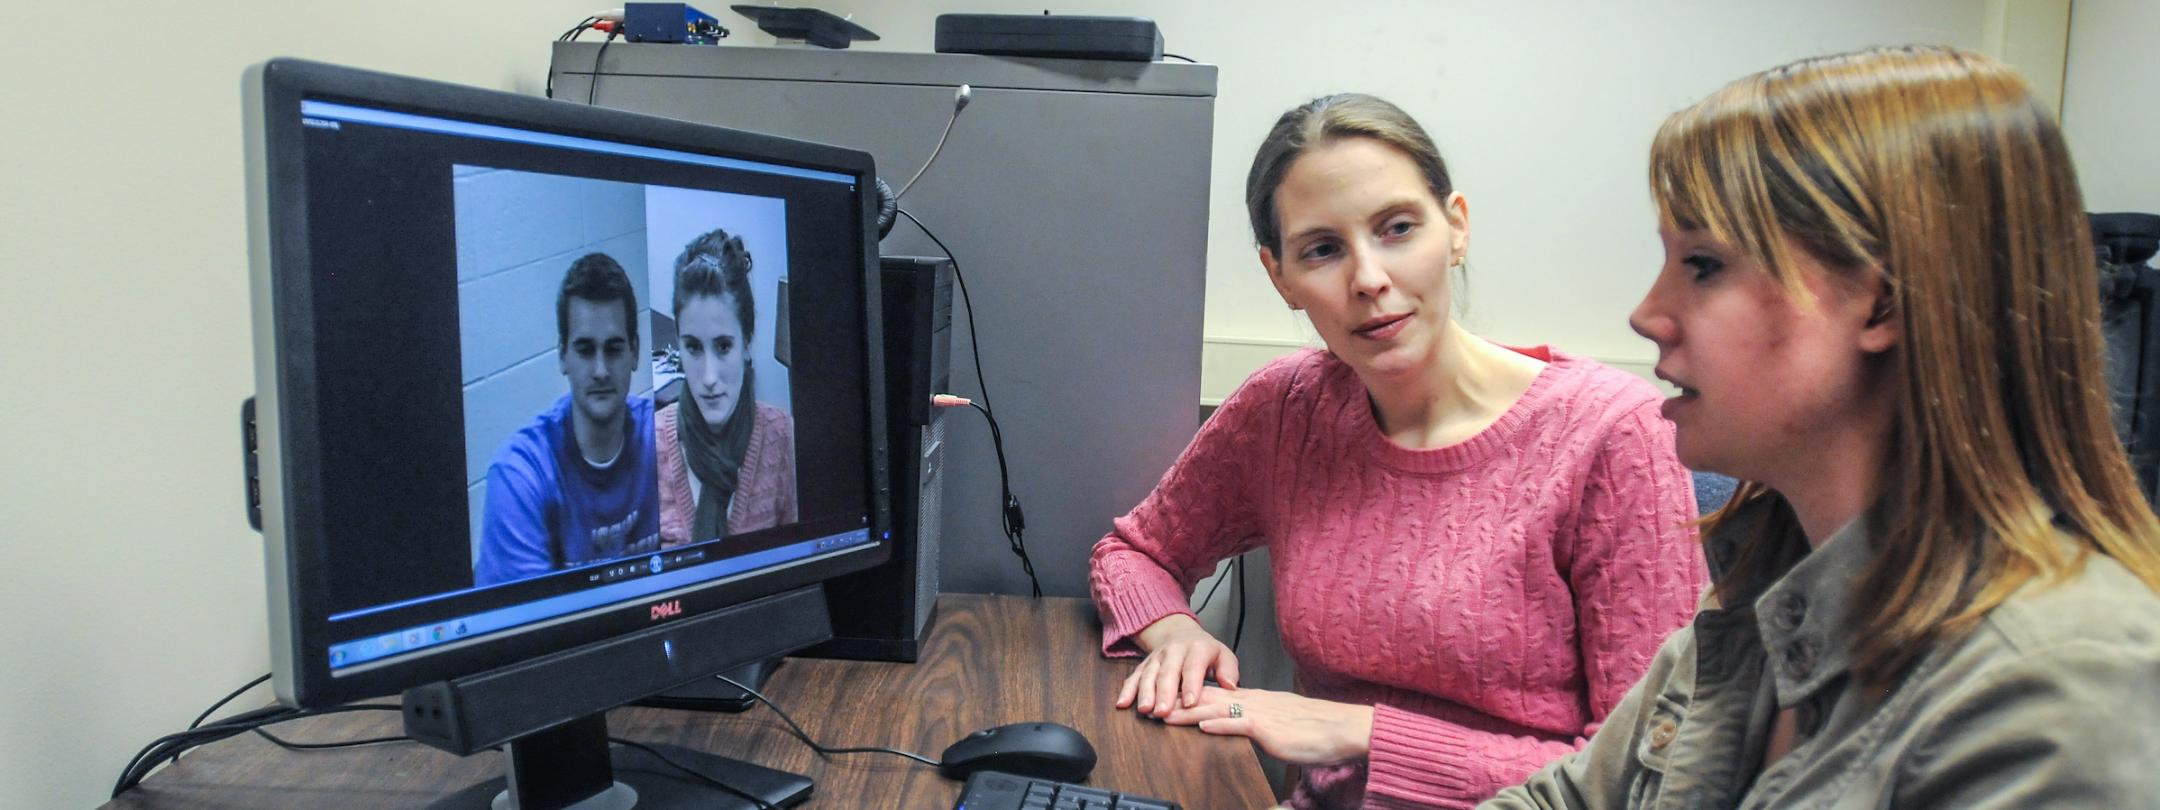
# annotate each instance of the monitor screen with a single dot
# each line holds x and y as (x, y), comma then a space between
(545, 374)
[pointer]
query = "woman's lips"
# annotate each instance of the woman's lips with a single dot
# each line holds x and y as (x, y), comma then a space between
(1686, 397)
(1382, 328)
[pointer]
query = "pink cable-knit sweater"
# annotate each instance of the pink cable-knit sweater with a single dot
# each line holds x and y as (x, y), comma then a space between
(1492, 600)
(764, 490)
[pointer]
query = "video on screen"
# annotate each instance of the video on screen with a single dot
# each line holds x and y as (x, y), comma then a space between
(625, 368)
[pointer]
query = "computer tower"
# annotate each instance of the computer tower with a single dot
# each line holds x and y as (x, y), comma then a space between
(882, 614)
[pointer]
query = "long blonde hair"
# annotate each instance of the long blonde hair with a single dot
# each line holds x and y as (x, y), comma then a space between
(1937, 168)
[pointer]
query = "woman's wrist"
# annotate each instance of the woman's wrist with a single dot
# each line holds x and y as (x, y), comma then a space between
(1358, 731)
(1161, 631)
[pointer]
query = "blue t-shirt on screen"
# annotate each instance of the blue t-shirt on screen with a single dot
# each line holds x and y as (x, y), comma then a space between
(548, 508)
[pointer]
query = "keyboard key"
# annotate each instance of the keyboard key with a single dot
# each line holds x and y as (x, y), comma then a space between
(989, 790)
(1087, 793)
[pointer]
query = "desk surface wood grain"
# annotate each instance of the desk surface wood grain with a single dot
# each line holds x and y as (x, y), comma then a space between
(990, 660)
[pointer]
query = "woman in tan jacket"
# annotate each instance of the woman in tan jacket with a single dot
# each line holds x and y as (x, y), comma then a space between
(1880, 306)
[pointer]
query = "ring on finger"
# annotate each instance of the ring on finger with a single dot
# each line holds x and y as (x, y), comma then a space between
(1237, 710)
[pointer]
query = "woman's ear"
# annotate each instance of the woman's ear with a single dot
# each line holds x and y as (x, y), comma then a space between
(1457, 210)
(1885, 319)
(1269, 260)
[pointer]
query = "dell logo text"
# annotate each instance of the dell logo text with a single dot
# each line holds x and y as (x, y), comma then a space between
(667, 610)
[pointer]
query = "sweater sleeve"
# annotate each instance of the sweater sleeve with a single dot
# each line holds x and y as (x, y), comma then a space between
(514, 535)
(1205, 509)
(1636, 573)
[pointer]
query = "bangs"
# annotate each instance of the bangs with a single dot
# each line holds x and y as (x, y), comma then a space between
(1710, 174)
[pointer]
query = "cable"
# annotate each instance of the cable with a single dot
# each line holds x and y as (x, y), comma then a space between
(739, 792)
(173, 754)
(575, 30)
(300, 746)
(592, 90)
(805, 736)
(1177, 56)
(1210, 590)
(1012, 517)
(1240, 635)
(965, 302)
(611, 22)
(226, 699)
(1014, 520)
(960, 102)
(567, 36)
(171, 745)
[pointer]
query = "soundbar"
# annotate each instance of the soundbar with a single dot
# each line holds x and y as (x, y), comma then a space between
(1057, 36)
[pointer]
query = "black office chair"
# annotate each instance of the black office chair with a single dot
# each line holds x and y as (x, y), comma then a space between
(2130, 319)
(1712, 490)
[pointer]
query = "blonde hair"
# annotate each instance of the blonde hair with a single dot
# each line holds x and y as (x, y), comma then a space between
(1937, 168)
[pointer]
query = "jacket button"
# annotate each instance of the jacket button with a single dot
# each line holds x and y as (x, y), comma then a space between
(1799, 657)
(1792, 610)
(1662, 735)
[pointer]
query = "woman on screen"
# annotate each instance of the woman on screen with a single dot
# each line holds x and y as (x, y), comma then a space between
(727, 461)
(1880, 305)
(1475, 548)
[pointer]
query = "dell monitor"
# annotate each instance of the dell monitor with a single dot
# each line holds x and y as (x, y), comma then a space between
(556, 408)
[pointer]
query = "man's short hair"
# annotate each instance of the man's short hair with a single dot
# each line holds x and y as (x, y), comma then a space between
(595, 277)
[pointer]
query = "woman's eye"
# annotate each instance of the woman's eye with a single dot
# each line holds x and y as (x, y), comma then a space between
(1399, 227)
(1319, 251)
(1704, 266)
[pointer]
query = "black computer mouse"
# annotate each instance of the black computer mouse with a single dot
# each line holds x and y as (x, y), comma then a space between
(1041, 750)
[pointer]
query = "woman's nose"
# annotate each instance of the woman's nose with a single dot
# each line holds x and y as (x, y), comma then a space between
(1649, 319)
(1367, 275)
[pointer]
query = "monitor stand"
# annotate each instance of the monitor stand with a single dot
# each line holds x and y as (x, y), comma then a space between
(573, 767)
(715, 695)
(549, 715)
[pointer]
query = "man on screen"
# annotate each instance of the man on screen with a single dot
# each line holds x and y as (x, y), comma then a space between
(577, 484)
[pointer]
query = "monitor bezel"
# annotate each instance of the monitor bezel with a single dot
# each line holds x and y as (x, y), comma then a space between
(290, 438)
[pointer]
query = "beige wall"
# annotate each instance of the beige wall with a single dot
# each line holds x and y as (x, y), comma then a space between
(135, 589)
(2111, 103)
(136, 595)
(1544, 110)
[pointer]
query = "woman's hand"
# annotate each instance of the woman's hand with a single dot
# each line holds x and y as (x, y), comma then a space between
(1181, 653)
(1295, 729)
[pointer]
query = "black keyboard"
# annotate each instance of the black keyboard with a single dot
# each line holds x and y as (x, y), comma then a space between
(990, 790)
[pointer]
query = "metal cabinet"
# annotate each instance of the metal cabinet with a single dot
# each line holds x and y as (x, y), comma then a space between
(1075, 196)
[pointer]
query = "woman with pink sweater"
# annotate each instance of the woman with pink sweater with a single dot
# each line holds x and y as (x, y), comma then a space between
(1476, 549)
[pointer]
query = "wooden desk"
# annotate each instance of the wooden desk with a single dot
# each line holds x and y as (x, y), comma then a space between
(990, 660)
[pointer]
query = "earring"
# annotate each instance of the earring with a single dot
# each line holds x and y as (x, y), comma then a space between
(1457, 262)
